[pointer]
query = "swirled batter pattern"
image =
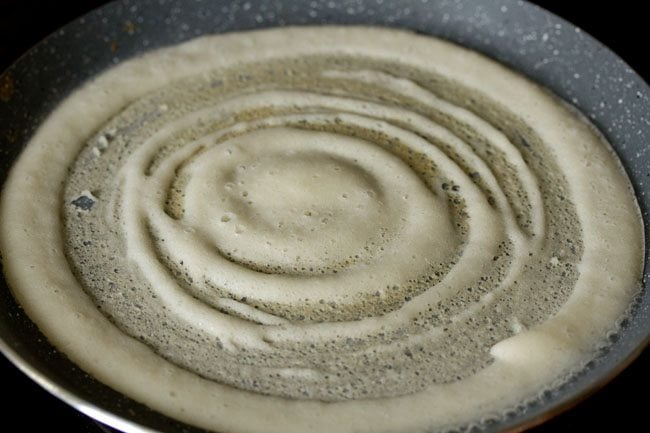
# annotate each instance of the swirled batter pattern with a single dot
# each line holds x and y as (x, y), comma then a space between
(335, 222)
(321, 227)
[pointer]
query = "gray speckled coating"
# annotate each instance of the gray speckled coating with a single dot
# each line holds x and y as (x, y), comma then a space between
(546, 48)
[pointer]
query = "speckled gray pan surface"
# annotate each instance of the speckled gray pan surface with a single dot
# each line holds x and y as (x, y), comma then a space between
(542, 46)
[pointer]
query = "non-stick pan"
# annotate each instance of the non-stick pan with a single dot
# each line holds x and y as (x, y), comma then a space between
(39, 80)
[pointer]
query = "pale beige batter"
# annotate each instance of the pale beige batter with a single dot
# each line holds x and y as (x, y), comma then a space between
(321, 229)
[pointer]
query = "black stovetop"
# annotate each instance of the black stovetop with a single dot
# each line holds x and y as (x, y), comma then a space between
(28, 408)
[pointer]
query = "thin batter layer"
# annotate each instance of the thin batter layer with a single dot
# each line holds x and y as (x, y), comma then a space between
(356, 229)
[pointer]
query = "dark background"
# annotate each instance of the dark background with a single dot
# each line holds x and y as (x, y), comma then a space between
(622, 404)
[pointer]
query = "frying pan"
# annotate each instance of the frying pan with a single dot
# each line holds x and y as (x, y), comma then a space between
(84, 48)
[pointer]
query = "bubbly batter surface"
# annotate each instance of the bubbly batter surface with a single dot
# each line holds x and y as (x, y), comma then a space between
(318, 229)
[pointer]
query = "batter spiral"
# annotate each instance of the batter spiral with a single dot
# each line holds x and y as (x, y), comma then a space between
(344, 225)
(275, 227)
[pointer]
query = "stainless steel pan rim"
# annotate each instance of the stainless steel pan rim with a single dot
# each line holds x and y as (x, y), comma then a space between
(559, 56)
